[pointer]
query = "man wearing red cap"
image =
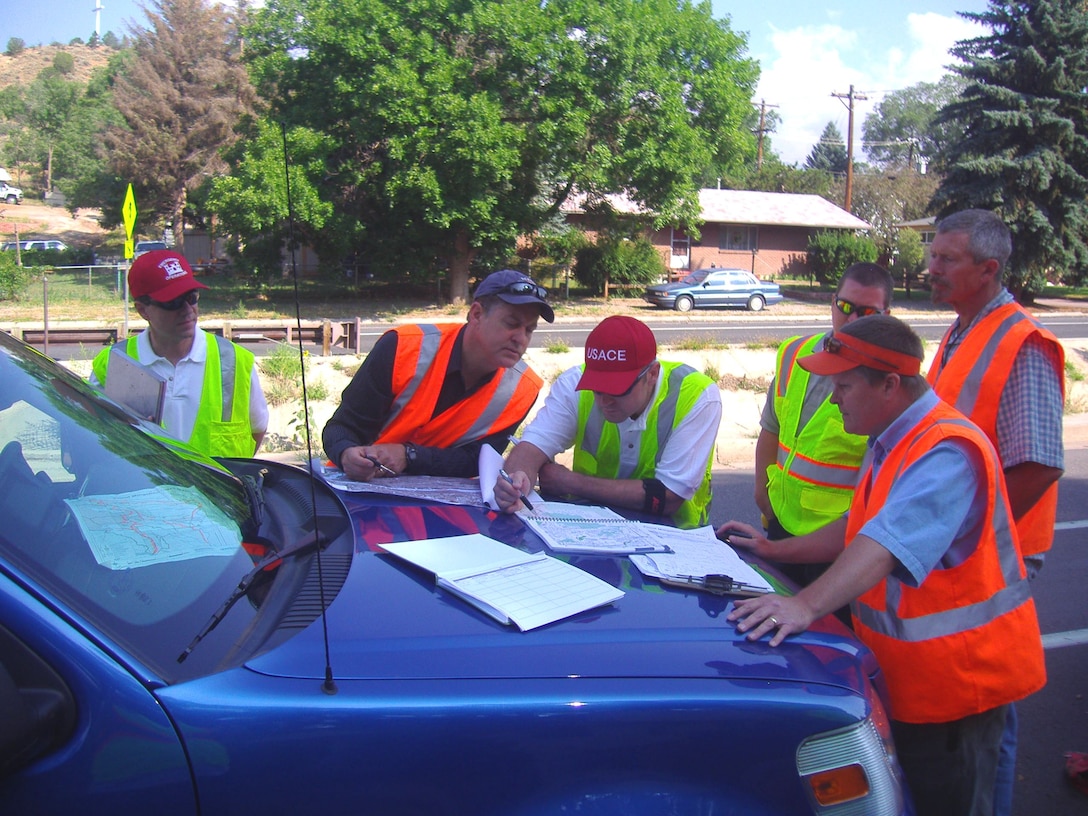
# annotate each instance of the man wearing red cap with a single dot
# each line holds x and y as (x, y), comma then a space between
(214, 400)
(928, 558)
(643, 431)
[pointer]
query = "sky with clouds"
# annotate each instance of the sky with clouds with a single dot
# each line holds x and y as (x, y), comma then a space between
(807, 50)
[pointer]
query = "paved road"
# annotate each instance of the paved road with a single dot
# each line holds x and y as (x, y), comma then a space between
(1054, 720)
(717, 327)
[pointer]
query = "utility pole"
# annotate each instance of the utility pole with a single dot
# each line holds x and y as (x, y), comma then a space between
(761, 130)
(849, 143)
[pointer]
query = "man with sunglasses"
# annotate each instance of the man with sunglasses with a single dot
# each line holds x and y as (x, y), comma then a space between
(929, 561)
(427, 397)
(214, 400)
(806, 463)
(643, 431)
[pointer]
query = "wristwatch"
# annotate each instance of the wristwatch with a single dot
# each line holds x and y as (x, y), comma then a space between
(410, 454)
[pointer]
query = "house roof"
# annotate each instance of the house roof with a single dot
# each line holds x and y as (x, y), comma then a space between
(750, 207)
(918, 223)
(775, 209)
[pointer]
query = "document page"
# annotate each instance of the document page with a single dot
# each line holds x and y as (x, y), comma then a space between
(697, 554)
(512, 586)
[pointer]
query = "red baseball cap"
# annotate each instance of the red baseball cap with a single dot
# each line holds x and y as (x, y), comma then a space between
(161, 275)
(616, 353)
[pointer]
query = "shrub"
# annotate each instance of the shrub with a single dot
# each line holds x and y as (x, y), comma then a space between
(831, 251)
(13, 279)
(623, 261)
(16, 46)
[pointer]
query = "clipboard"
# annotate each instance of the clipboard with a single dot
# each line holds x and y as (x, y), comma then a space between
(134, 386)
(716, 585)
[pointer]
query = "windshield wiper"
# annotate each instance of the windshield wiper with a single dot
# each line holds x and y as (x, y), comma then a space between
(307, 542)
(254, 490)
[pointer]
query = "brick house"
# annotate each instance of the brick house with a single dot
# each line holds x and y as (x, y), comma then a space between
(765, 233)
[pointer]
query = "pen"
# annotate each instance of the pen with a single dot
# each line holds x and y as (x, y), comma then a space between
(524, 499)
(387, 471)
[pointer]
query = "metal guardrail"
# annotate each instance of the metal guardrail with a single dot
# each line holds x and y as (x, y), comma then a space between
(328, 334)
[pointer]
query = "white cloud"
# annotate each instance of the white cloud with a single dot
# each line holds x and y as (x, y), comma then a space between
(812, 62)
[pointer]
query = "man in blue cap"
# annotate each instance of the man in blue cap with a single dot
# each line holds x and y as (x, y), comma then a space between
(429, 396)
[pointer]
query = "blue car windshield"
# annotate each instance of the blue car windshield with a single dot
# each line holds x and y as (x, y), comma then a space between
(139, 543)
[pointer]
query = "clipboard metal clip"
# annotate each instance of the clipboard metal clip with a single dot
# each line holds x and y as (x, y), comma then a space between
(715, 585)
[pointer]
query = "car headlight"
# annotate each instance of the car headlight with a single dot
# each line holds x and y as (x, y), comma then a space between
(853, 770)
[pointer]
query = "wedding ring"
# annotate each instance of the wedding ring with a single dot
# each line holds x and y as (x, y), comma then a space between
(774, 621)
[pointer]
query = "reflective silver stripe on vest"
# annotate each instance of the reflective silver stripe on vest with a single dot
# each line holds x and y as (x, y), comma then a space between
(508, 385)
(789, 355)
(961, 619)
(666, 415)
(965, 402)
(228, 363)
(818, 472)
(428, 350)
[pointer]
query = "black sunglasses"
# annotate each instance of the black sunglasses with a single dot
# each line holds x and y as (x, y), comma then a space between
(634, 382)
(848, 308)
(188, 299)
(525, 288)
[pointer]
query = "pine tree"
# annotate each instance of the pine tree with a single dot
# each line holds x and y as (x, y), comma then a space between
(180, 96)
(829, 153)
(1024, 153)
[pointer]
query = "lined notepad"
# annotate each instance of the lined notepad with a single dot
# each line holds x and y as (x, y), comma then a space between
(512, 586)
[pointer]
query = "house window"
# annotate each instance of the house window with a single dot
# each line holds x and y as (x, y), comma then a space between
(738, 237)
(927, 237)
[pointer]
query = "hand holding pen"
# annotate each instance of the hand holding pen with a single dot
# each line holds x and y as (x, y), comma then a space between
(521, 496)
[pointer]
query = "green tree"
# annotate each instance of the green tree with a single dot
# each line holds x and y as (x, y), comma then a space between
(776, 177)
(908, 257)
(80, 163)
(831, 251)
(887, 198)
(829, 153)
(453, 127)
(181, 95)
(902, 131)
(1024, 153)
(51, 102)
(16, 46)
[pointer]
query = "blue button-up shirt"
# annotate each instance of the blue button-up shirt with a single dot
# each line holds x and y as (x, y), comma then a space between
(934, 509)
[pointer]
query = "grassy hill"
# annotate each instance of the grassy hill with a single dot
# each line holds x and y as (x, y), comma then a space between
(23, 68)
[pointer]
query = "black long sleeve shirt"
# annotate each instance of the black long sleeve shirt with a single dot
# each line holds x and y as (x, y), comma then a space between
(367, 401)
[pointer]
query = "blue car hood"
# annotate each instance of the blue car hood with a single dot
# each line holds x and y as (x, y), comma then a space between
(390, 621)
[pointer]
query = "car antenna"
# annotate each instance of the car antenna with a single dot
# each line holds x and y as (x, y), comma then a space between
(329, 685)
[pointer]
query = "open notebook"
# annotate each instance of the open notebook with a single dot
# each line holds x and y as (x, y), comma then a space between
(512, 586)
(592, 530)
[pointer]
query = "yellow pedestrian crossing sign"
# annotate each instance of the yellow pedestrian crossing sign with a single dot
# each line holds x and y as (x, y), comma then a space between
(128, 212)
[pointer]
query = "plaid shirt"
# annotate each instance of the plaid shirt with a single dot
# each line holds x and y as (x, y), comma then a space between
(1029, 416)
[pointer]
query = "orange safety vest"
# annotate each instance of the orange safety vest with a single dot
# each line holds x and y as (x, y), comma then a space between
(973, 380)
(423, 355)
(967, 639)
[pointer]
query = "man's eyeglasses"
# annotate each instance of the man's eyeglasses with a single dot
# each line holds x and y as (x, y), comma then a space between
(848, 308)
(525, 288)
(181, 301)
(634, 382)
